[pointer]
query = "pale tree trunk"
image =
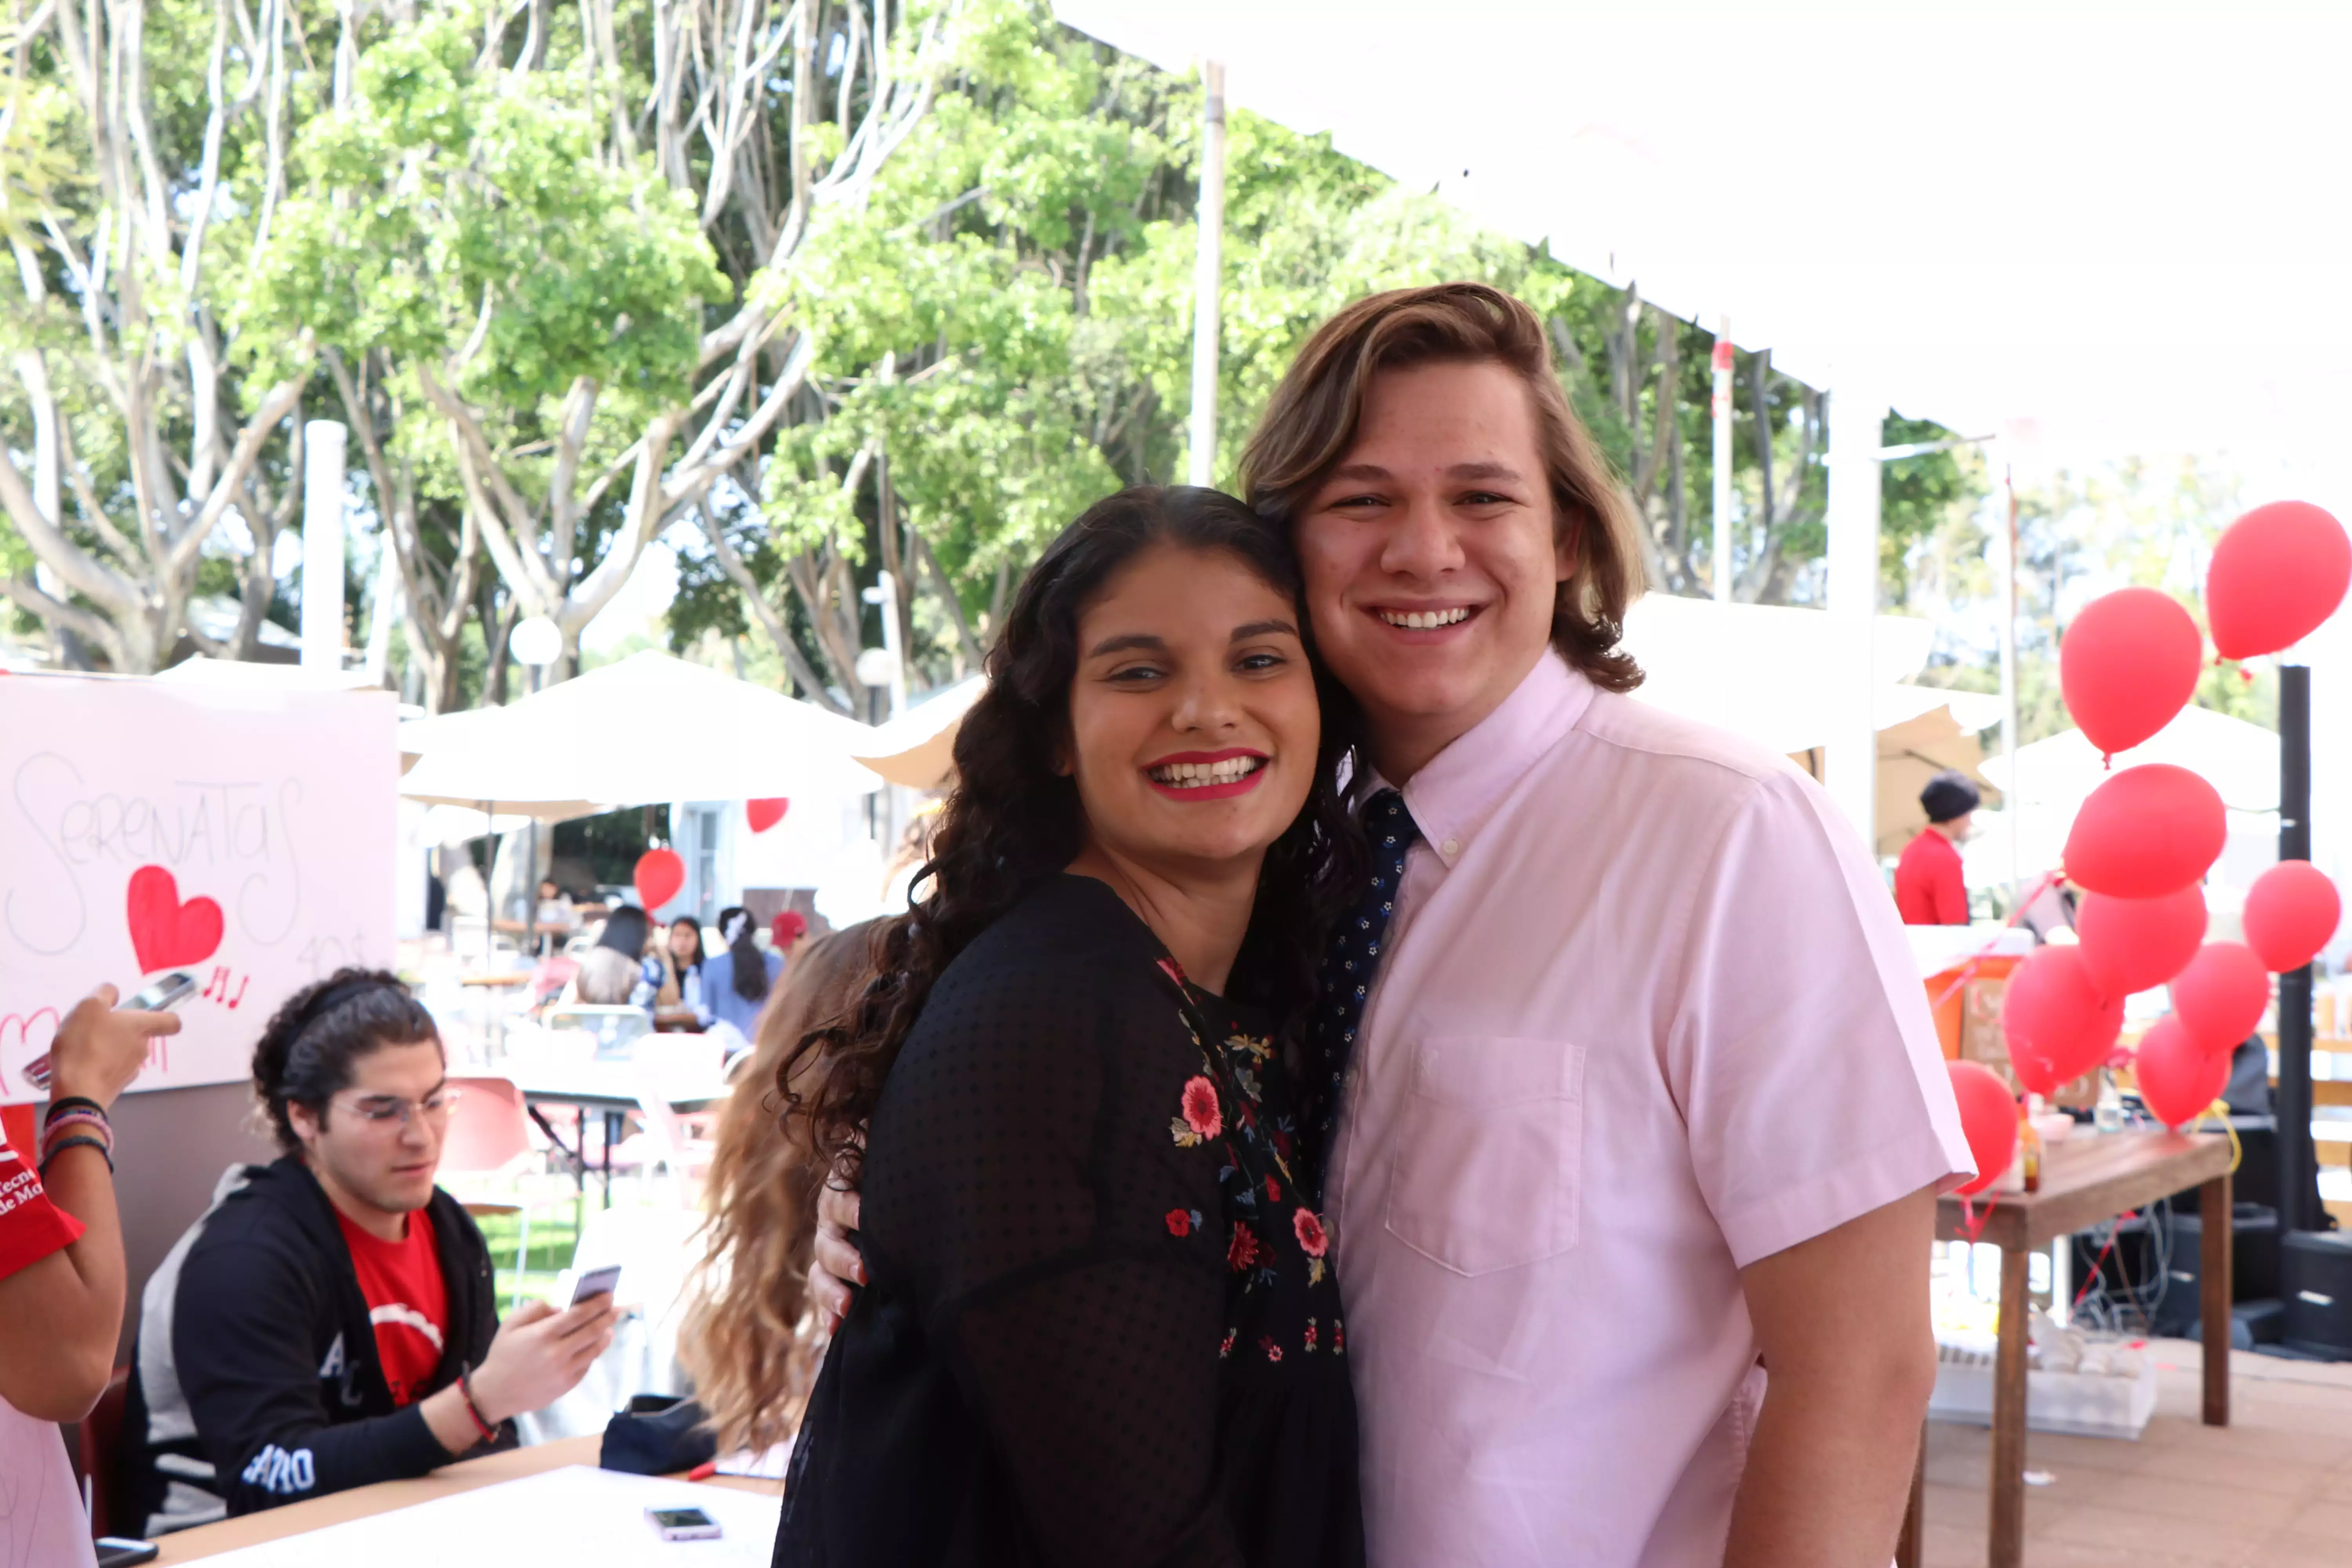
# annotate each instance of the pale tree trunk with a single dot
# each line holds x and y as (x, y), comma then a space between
(440, 597)
(119, 568)
(713, 60)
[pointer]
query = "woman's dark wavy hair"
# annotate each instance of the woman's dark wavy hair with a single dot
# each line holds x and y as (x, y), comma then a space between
(305, 1051)
(1014, 821)
(750, 965)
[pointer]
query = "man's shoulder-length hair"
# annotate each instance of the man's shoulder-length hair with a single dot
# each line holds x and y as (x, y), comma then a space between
(1312, 420)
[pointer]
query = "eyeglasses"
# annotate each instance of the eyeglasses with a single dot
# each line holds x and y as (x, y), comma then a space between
(383, 1110)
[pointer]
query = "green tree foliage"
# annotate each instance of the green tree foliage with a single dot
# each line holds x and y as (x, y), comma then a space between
(826, 289)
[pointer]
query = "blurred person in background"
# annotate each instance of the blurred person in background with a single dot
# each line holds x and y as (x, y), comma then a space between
(618, 971)
(331, 1320)
(557, 918)
(61, 1277)
(750, 1341)
(1929, 889)
(736, 983)
(681, 956)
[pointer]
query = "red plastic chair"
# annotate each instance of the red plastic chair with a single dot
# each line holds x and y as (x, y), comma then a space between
(490, 1134)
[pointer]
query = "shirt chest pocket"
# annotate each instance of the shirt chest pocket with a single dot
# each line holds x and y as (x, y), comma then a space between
(1485, 1166)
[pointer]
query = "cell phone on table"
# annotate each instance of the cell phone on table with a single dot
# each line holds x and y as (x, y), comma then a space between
(595, 1282)
(682, 1524)
(117, 1552)
(165, 991)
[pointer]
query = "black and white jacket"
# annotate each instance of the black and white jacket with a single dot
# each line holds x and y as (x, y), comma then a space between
(255, 1378)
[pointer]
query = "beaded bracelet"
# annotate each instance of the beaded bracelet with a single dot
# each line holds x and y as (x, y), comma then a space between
(70, 1143)
(89, 1123)
(465, 1392)
(76, 1127)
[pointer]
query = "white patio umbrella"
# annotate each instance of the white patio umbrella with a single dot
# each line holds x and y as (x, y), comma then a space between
(649, 728)
(917, 747)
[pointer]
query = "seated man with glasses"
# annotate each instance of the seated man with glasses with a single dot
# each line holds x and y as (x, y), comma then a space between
(332, 1320)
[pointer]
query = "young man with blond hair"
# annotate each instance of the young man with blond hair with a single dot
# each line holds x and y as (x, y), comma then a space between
(1636, 1091)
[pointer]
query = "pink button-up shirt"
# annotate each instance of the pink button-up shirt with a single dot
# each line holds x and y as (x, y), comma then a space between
(1647, 1017)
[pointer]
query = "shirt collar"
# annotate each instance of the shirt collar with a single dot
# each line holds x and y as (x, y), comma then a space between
(1458, 789)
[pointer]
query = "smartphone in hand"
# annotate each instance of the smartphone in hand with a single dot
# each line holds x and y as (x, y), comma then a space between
(595, 1282)
(159, 995)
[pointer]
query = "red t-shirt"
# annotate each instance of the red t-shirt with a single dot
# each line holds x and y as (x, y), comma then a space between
(1928, 887)
(407, 1301)
(31, 1228)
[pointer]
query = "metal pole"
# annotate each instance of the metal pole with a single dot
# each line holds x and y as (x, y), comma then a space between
(1208, 274)
(2298, 1161)
(1722, 411)
(384, 603)
(2013, 803)
(1857, 423)
(531, 863)
(322, 544)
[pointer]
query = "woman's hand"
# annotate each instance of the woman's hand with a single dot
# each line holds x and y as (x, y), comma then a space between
(837, 1270)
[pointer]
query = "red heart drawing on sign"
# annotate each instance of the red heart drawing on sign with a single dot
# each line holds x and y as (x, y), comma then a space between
(165, 933)
(24, 1040)
(763, 815)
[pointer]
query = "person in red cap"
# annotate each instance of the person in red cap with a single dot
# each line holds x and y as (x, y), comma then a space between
(1928, 887)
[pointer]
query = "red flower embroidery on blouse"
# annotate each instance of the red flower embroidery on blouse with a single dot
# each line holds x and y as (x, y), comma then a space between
(1245, 1249)
(1200, 1112)
(1179, 1223)
(1273, 1351)
(1309, 1231)
(1273, 1190)
(1310, 1334)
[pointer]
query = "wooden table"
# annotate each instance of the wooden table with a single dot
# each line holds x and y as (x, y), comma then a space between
(2084, 1179)
(363, 1502)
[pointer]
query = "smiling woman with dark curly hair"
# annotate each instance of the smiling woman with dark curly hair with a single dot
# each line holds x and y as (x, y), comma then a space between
(1100, 1324)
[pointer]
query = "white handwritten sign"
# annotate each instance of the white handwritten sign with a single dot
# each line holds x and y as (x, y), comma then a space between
(245, 836)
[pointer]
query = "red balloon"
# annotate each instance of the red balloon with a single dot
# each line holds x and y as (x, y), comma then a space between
(763, 815)
(2132, 944)
(2277, 573)
(2177, 1076)
(2148, 831)
(2291, 912)
(659, 875)
(2056, 1023)
(1989, 1117)
(2220, 998)
(2129, 663)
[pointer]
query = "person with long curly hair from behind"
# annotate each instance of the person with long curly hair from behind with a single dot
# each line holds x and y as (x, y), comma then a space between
(1100, 1325)
(749, 1342)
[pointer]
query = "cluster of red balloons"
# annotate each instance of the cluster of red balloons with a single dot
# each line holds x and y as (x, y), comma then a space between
(2142, 843)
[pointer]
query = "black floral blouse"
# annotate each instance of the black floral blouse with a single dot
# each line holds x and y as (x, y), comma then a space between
(1100, 1325)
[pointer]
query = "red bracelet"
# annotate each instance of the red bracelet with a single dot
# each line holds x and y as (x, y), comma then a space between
(465, 1392)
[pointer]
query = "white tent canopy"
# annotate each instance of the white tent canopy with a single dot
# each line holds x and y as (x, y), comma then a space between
(649, 728)
(1760, 670)
(2117, 228)
(2057, 773)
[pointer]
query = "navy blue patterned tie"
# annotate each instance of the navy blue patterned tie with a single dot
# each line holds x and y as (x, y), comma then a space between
(1349, 967)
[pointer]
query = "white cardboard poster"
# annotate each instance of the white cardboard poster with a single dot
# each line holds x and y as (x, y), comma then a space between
(244, 835)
